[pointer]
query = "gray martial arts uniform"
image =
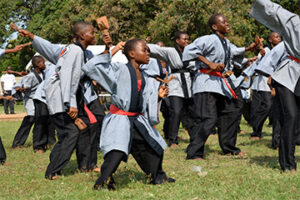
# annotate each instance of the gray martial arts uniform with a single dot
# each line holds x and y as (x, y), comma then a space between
(31, 82)
(46, 131)
(61, 91)
(121, 132)
(180, 89)
(213, 95)
(285, 76)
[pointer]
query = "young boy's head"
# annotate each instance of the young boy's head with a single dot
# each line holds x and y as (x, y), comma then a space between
(159, 43)
(84, 31)
(38, 62)
(182, 39)
(137, 50)
(274, 38)
(218, 23)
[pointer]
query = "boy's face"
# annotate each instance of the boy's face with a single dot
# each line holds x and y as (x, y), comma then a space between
(183, 41)
(221, 25)
(41, 64)
(89, 36)
(141, 53)
(275, 39)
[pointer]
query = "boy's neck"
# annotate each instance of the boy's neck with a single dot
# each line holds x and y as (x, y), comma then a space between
(83, 44)
(135, 65)
(37, 70)
(220, 34)
(179, 48)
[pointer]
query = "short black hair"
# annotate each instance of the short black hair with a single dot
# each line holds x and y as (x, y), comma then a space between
(158, 41)
(36, 59)
(271, 34)
(178, 34)
(212, 20)
(79, 26)
(130, 45)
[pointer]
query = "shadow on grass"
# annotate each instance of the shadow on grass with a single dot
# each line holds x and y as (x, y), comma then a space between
(128, 176)
(268, 161)
(263, 141)
(71, 168)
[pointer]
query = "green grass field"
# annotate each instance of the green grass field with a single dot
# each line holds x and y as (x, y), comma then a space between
(256, 177)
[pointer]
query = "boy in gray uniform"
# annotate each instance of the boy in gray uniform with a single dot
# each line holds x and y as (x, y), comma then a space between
(215, 96)
(285, 76)
(61, 92)
(180, 88)
(29, 84)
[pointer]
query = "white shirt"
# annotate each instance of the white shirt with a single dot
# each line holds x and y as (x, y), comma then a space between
(9, 81)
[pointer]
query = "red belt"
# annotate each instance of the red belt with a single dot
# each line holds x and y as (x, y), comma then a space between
(114, 110)
(295, 59)
(219, 74)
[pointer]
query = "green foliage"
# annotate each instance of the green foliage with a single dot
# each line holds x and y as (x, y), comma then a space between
(159, 19)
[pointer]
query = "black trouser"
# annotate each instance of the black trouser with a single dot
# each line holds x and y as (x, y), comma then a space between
(23, 132)
(8, 103)
(165, 109)
(177, 104)
(45, 132)
(260, 109)
(289, 104)
(246, 110)
(2, 153)
(61, 153)
(87, 145)
(276, 122)
(212, 108)
(149, 161)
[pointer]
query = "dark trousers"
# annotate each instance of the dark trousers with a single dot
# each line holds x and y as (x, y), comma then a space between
(45, 131)
(8, 103)
(165, 109)
(289, 104)
(23, 132)
(2, 153)
(178, 105)
(213, 109)
(88, 142)
(145, 156)
(276, 122)
(67, 134)
(260, 109)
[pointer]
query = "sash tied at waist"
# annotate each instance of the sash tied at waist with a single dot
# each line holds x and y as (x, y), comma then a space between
(295, 59)
(219, 74)
(114, 110)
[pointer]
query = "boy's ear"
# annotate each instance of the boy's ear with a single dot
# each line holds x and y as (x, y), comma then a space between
(131, 54)
(214, 27)
(81, 36)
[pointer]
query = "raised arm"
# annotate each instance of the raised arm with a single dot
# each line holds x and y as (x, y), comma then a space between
(50, 51)
(272, 60)
(279, 20)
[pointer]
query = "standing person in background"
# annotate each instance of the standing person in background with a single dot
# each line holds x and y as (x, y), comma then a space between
(2, 52)
(28, 86)
(8, 80)
(180, 88)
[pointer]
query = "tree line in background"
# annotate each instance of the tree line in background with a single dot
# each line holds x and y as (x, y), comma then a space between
(159, 19)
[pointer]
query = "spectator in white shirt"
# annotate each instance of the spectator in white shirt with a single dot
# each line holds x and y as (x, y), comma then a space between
(8, 80)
